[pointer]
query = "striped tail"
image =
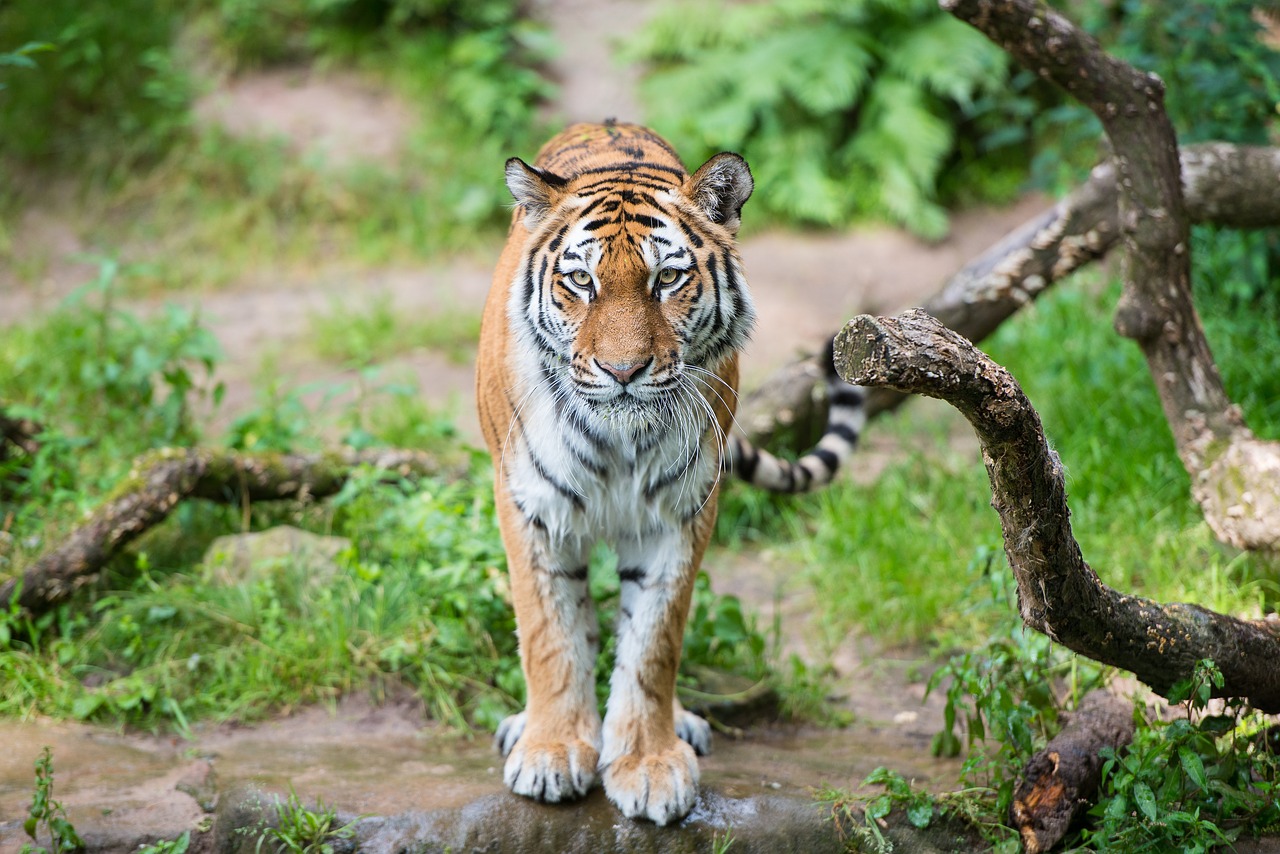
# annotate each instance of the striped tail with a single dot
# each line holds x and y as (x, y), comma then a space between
(845, 419)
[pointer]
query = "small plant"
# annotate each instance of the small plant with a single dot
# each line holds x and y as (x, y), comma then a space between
(1193, 783)
(171, 846)
(48, 814)
(302, 830)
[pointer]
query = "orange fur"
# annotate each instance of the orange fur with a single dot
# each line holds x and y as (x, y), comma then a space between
(622, 324)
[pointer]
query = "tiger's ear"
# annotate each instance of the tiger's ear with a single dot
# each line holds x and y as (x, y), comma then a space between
(536, 190)
(720, 187)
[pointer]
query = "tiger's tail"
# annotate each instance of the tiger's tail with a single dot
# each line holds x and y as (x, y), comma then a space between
(846, 416)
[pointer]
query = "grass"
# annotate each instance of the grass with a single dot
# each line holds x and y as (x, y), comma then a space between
(419, 599)
(912, 556)
(379, 331)
(201, 208)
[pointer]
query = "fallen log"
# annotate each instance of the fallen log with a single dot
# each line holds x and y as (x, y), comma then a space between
(1061, 781)
(162, 479)
(1059, 594)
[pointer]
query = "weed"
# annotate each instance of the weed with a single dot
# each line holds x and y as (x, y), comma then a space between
(1192, 783)
(722, 844)
(302, 830)
(171, 846)
(48, 814)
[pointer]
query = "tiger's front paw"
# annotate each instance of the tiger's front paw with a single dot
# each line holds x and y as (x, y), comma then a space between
(694, 731)
(551, 771)
(661, 787)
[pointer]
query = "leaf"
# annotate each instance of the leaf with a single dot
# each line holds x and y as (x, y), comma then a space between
(879, 808)
(920, 813)
(1146, 800)
(1194, 766)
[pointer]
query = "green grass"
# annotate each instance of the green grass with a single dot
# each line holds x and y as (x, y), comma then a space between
(361, 337)
(198, 207)
(911, 557)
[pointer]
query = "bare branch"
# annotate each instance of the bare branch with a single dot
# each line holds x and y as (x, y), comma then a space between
(1241, 505)
(1058, 593)
(1225, 184)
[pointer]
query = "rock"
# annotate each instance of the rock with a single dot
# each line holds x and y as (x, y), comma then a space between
(506, 824)
(239, 558)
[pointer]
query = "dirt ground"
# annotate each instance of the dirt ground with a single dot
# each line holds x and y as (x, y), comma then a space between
(805, 286)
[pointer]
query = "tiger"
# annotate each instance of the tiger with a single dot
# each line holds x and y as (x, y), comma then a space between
(606, 385)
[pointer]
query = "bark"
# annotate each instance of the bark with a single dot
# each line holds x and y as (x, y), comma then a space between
(1059, 594)
(1060, 782)
(160, 480)
(1224, 184)
(1241, 505)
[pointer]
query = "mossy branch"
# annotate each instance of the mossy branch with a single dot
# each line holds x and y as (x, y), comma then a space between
(1059, 594)
(162, 479)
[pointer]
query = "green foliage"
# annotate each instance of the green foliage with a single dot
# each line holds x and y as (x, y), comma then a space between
(484, 53)
(109, 94)
(1222, 82)
(362, 337)
(846, 108)
(420, 600)
(48, 814)
(300, 829)
(169, 846)
(1007, 693)
(1192, 783)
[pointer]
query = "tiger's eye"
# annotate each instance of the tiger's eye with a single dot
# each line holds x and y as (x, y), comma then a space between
(668, 276)
(581, 278)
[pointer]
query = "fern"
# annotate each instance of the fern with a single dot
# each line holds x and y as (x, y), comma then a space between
(849, 108)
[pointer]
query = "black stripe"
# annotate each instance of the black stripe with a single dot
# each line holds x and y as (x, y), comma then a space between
(647, 221)
(696, 240)
(844, 431)
(632, 575)
(829, 459)
(555, 484)
(555, 241)
(747, 462)
(597, 224)
(847, 395)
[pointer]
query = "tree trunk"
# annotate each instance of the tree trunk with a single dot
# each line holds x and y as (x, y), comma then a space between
(1234, 476)
(1230, 185)
(1058, 593)
(1060, 782)
(161, 479)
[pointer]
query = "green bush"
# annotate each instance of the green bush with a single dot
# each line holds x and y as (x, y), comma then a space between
(109, 93)
(846, 108)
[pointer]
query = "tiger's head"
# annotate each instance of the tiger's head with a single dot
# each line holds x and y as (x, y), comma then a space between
(631, 288)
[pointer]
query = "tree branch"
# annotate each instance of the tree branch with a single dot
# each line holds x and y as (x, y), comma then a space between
(1233, 474)
(1058, 593)
(1225, 184)
(161, 479)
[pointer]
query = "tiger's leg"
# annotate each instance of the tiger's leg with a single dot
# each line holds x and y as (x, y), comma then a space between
(648, 770)
(552, 747)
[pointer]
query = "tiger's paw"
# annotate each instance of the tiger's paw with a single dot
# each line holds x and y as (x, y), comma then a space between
(694, 731)
(549, 771)
(661, 787)
(509, 732)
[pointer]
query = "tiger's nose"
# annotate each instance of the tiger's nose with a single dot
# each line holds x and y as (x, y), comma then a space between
(624, 373)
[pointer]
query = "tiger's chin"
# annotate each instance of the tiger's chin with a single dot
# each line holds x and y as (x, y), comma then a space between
(631, 414)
